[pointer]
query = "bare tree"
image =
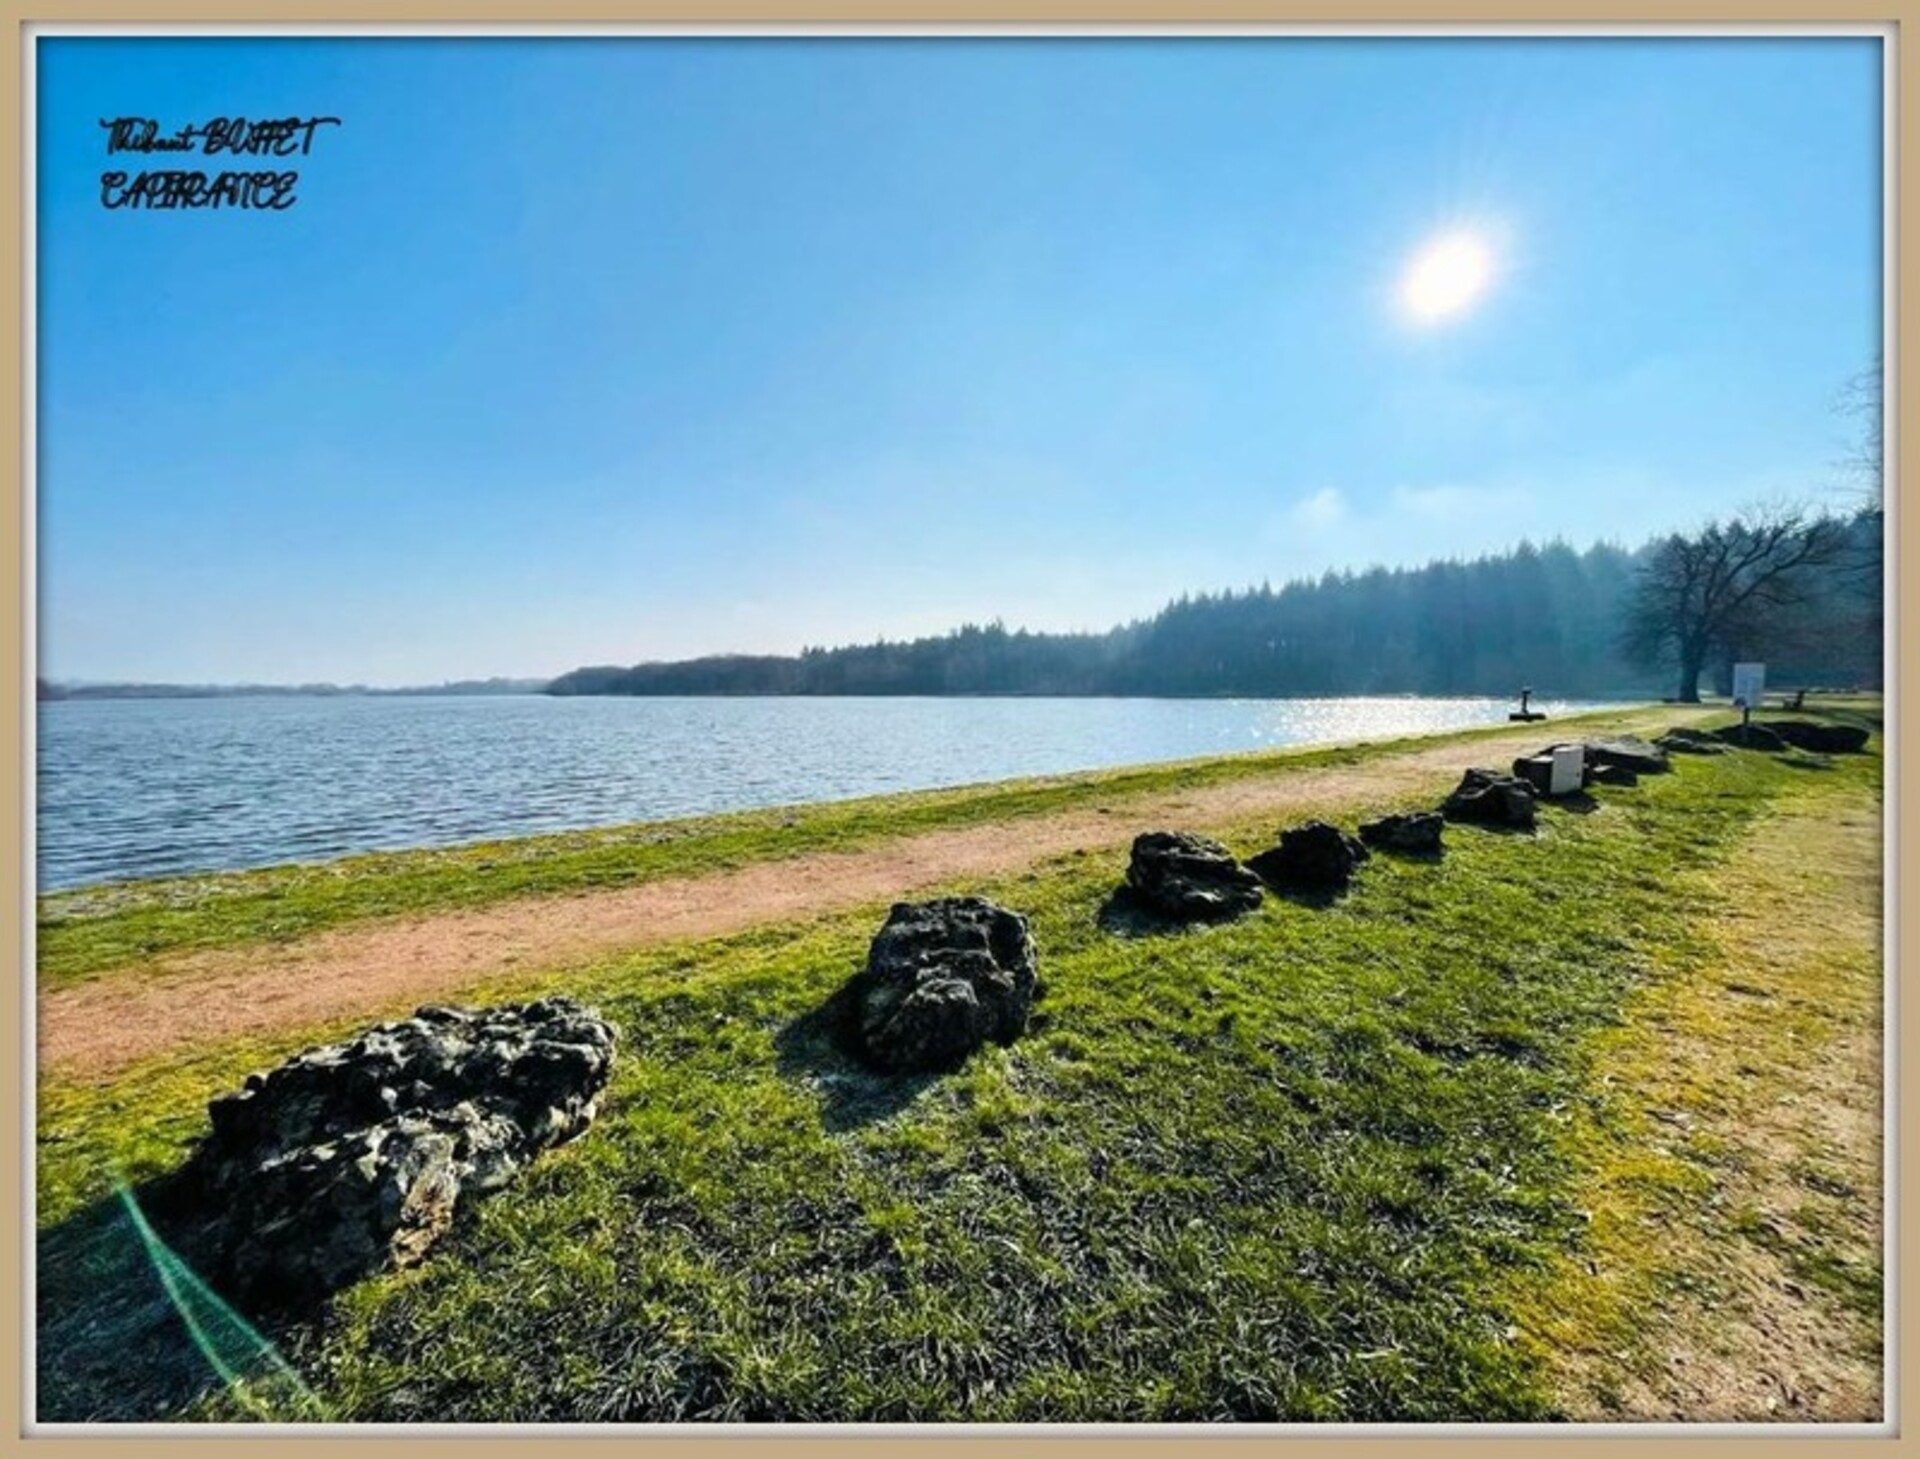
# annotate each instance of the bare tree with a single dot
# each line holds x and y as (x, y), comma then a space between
(1698, 593)
(1863, 399)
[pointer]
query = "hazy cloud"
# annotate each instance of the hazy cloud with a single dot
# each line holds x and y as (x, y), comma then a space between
(1325, 508)
(1443, 503)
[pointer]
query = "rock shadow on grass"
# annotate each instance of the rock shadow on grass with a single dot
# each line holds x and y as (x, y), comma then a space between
(1125, 913)
(129, 1332)
(1576, 802)
(820, 1047)
(1316, 899)
(1416, 858)
(1804, 760)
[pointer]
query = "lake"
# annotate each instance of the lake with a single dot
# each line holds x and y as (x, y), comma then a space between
(153, 787)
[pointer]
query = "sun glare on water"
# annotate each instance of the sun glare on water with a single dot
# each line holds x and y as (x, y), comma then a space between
(1446, 278)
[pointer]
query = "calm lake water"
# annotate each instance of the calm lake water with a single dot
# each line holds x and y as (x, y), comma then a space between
(138, 788)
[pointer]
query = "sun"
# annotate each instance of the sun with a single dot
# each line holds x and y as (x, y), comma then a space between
(1446, 277)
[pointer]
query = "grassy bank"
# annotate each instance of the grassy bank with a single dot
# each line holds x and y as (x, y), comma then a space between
(88, 930)
(1323, 1163)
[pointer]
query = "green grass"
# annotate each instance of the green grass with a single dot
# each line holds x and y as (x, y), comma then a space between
(90, 930)
(1288, 1168)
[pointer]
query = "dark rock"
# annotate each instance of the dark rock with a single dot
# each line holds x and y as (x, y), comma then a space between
(1489, 798)
(1416, 833)
(1536, 770)
(1315, 857)
(1188, 878)
(1822, 739)
(1628, 750)
(1682, 741)
(1611, 775)
(352, 1157)
(1750, 737)
(943, 978)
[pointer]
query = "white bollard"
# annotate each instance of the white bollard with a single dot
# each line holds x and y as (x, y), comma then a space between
(1569, 769)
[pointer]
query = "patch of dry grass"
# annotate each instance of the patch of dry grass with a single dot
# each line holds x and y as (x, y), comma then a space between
(1732, 1153)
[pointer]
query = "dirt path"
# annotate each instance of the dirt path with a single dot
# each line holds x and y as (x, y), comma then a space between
(204, 998)
(1755, 1085)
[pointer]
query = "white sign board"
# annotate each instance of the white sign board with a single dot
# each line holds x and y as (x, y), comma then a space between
(1569, 769)
(1749, 683)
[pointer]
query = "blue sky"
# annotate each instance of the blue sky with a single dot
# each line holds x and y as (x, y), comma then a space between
(595, 351)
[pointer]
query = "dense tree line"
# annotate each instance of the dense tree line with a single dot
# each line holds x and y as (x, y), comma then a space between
(1551, 617)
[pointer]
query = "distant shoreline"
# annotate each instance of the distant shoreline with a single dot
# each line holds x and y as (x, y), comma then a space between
(55, 692)
(60, 693)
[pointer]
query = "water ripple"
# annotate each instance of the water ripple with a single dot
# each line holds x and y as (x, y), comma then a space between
(133, 788)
